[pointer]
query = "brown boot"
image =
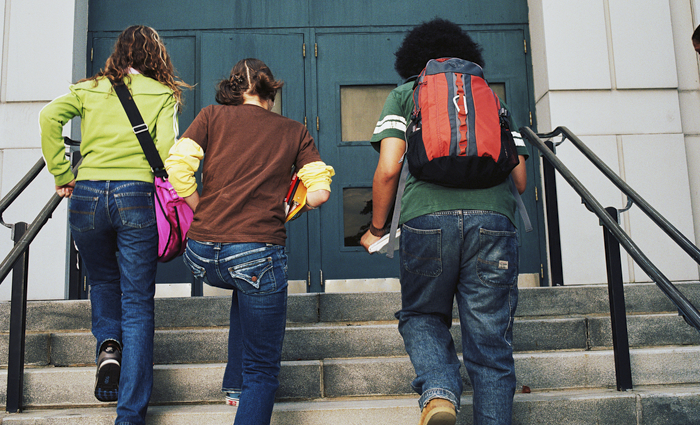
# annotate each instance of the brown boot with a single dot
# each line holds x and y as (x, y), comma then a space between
(438, 411)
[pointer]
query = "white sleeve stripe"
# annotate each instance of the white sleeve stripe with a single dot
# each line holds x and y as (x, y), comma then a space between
(518, 139)
(175, 123)
(398, 118)
(390, 125)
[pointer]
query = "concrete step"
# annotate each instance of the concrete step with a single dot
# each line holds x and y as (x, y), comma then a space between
(312, 379)
(655, 405)
(360, 339)
(346, 307)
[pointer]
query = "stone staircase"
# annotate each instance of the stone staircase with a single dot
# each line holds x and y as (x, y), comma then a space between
(344, 362)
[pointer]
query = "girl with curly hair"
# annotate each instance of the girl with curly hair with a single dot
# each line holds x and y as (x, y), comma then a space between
(111, 208)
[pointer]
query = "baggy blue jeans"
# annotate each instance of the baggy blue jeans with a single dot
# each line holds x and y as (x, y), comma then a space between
(257, 274)
(472, 255)
(114, 227)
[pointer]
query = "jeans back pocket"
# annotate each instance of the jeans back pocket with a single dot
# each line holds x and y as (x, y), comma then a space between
(81, 212)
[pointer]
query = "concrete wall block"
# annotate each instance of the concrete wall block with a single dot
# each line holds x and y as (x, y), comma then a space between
(36, 349)
(653, 366)
(583, 252)
(20, 126)
(690, 111)
(47, 254)
(669, 193)
(643, 48)
(544, 115)
(644, 331)
(364, 306)
(367, 377)
(31, 47)
(565, 370)
(552, 334)
(326, 342)
(50, 316)
(617, 112)
(585, 66)
(686, 58)
(538, 47)
(618, 408)
(692, 150)
(659, 409)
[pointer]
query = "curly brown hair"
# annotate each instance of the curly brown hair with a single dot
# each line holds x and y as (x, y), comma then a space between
(435, 39)
(250, 76)
(141, 48)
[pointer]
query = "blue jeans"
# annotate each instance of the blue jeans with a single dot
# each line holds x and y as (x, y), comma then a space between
(114, 227)
(257, 274)
(472, 255)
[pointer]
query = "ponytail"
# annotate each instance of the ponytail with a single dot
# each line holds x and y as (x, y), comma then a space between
(249, 76)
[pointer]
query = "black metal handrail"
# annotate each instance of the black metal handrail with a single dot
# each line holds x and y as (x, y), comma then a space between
(614, 235)
(631, 194)
(17, 261)
(685, 307)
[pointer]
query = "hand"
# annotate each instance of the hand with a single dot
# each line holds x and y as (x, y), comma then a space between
(368, 239)
(66, 190)
(192, 200)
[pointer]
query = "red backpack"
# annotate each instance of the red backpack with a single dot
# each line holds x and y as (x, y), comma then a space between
(459, 134)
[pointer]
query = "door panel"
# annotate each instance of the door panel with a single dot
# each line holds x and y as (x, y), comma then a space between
(348, 62)
(283, 54)
(345, 84)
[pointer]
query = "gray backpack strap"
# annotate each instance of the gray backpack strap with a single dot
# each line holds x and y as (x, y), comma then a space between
(390, 247)
(520, 204)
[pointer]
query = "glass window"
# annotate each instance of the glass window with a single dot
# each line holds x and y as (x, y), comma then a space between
(357, 213)
(360, 107)
(500, 90)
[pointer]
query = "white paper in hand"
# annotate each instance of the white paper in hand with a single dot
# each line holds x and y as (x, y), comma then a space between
(380, 245)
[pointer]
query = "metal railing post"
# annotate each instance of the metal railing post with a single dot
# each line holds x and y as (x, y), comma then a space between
(552, 210)
(618, 313)
(18, 325)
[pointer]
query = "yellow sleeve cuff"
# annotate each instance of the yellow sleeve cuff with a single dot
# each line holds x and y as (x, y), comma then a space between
(316, 176)
(182, 163)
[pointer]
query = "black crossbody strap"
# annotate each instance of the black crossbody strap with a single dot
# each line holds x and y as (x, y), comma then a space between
(141, 130)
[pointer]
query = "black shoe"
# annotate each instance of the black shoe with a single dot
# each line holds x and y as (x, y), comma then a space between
(108, 369)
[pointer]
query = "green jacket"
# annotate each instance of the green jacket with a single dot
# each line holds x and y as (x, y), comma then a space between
(109, 146)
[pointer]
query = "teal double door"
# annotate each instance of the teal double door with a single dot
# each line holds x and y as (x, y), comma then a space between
(336, 81)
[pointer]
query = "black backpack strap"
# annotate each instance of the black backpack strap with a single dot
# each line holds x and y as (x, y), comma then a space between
(141, 130)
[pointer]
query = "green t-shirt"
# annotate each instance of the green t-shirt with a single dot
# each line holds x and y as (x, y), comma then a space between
(421, 197)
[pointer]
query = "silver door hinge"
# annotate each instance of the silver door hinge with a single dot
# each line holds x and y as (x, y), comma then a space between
(318, 124)
(525, 46)
(530, 118)
(303, 50)
(537, 196)
(541, 271)
(321, 271)
(92, 52)
(315, 49)
(308, 278)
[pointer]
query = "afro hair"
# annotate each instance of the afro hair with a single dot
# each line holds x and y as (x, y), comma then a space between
(438, 38)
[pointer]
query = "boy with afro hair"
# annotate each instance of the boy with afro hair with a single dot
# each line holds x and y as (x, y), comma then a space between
(454, 243)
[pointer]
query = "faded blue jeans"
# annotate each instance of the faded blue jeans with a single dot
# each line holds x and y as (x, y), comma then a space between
(472, 255)
(107, 217)
(257, 274)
